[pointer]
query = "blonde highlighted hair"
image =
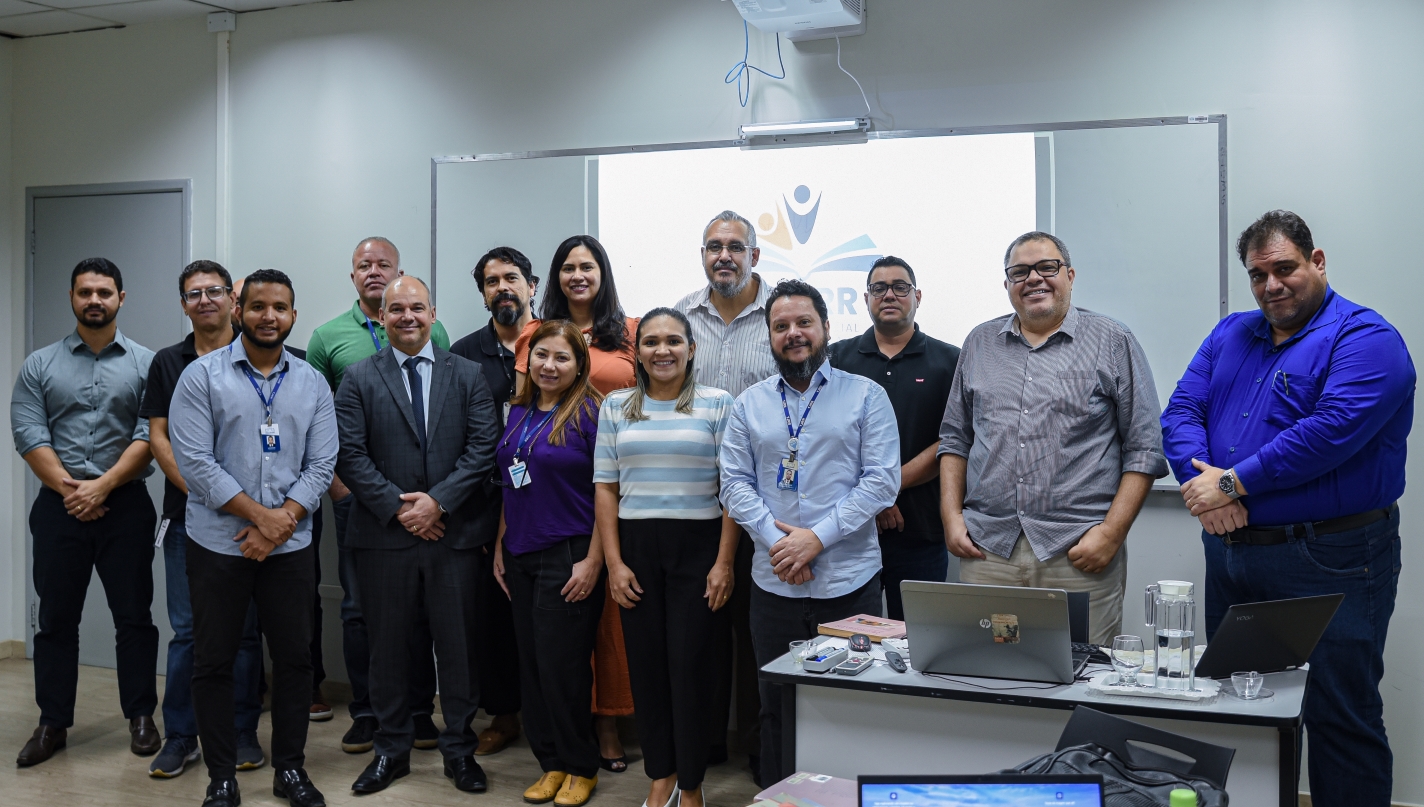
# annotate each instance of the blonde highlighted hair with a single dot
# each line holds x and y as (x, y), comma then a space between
(580, 396)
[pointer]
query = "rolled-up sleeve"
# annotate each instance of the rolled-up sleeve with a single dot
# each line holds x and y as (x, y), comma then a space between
(190, 429)
(319, 459)
(1139, 413)
(879, 482)
(29, 420)
(739, 482)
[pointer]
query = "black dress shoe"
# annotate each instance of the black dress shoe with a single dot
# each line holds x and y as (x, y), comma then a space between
(467, 774)
(146, 739)
(222, 793)
(41, 746)
(380, 773)
(297, 789)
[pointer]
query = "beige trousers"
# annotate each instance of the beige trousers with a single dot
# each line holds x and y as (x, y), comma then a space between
(1022, 568)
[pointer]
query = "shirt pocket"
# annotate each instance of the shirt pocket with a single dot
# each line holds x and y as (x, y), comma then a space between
(1079, 396)
(1292, 397)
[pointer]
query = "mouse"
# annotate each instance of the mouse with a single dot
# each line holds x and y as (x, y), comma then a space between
(859, 643)
(896, 661)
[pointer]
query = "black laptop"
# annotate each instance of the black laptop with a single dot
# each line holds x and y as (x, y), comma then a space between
(1267, 636)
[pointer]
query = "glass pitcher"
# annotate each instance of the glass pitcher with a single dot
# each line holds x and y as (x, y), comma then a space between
(1172, 612)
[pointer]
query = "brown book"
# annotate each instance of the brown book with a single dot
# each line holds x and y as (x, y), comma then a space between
(876, 627)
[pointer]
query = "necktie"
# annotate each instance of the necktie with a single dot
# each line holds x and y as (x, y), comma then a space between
(417, 399)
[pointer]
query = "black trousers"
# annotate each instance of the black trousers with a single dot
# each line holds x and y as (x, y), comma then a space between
(555, 655)
(670, 638)
(499, 671)
(67, 553)
(777, 622)
(398, 587)
(736, 661)
(221, 586)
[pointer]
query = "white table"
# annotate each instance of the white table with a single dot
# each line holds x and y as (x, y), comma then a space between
(884, 722)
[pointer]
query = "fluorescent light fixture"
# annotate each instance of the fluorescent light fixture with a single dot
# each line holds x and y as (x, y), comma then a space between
(803, 127)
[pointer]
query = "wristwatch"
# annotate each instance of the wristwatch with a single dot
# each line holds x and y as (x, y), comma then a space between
(1227, 484)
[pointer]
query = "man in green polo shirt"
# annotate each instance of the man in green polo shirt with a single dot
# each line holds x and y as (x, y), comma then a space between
(336, 345)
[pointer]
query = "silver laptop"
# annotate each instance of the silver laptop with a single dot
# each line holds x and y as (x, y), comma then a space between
(989, 631)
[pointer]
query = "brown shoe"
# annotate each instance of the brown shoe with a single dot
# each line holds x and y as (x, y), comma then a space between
(548, 786)
(42, 745)
(320, 712)
(492, 741)
(146, 739)
(576, 791)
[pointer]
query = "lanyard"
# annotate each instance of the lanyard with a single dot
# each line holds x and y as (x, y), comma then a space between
(793, 442)
(371, 328)
(266, 402)
(524, 436)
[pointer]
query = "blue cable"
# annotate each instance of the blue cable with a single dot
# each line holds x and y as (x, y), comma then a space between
(743, 69)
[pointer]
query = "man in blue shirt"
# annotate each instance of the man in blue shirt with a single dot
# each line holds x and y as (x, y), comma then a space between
(1289, 429)
(807, 488)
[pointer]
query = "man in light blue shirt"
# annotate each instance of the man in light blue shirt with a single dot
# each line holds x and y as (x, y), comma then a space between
(254, 434)
(810, 457)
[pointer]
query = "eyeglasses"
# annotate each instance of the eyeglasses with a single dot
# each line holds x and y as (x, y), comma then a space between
(1019, 272)
(900, 287)
(734, 247)
(212, 293)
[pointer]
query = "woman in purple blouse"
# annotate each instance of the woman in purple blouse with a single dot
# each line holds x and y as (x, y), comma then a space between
(549, 560)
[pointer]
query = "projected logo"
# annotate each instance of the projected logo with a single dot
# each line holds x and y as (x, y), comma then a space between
(832, 259)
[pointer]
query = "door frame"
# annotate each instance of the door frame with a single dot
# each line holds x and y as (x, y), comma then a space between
(183, 186)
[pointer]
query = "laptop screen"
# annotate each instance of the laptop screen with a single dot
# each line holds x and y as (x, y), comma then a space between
(985, 791)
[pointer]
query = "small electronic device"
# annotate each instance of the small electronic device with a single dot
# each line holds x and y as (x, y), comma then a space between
(859, 643)
(825, 659)
(896, 661)
(855, 665)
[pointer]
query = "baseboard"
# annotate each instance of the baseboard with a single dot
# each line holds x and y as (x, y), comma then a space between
(12, 648)
(1305, 802)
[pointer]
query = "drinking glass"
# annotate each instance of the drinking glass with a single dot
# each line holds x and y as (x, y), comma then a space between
(798, 652)
(1127, 657)
(1247, 684)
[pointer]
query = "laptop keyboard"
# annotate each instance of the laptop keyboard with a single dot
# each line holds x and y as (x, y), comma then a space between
(1091, 651)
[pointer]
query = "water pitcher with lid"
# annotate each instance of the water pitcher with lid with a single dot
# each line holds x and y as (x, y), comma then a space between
(1172, 611)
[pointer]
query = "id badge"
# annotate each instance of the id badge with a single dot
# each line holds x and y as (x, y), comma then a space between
(162, 531)
(786, 474)
(271, 438)
(519, 474)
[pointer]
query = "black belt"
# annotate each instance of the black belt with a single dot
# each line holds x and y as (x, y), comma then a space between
(1270, 536)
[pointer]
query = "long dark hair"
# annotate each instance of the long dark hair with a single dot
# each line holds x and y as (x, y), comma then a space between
(633, 407)
(610, 324)
(581, 397)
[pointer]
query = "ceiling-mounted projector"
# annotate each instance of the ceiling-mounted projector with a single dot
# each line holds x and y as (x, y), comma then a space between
(805, 19)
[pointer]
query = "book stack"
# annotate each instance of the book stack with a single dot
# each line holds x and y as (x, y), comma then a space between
(876, 627)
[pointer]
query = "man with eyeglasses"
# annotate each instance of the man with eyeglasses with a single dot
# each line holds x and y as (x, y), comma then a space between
(916, 371)
(1050, 441)
(205, 293)
(733, 353)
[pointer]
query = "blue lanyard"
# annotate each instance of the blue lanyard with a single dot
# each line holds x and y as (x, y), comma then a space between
(524, 435)
(371, 328)
(793, 442)
(266, 402)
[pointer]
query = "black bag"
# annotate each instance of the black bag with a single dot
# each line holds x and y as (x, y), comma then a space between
(1123, 784)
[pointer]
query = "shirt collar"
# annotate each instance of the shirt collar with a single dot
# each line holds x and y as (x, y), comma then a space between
(1069, 326)
(73, 342)
(704, 298)
(823, 373)
(360, 316)
(427, 353)
(489, 340)
(1328, 312)
(866, 343)
(237, 350)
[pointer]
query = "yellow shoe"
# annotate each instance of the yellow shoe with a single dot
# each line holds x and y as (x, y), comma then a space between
(576, 791)
(546, 788)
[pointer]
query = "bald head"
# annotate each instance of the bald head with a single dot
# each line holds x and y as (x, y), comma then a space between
(375, 263)
(407, 314)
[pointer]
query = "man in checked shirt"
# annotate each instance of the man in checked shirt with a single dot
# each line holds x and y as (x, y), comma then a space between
(1050, 441)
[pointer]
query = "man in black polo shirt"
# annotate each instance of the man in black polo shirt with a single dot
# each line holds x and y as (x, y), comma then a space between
(916, 372)
(506, 278)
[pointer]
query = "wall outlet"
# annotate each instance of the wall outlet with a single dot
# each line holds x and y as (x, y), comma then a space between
(222, 21)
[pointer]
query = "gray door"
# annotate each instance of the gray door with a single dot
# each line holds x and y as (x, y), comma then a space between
(143, 228)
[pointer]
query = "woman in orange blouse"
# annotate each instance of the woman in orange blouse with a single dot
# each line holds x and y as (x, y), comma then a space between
(584, 293)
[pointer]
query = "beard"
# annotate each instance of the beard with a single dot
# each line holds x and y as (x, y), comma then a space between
(734, 287)
(504, 315)
(807, 367)
(89, 320)
(262, 343)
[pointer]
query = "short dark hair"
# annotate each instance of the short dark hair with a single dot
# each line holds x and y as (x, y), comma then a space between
(265, 276)
(890, 260)
(1038, 235)
(203, 268)
(98, 266)
(508, 255)
(797, 288)
(1277, 222)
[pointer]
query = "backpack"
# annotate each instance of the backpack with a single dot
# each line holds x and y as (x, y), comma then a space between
(1124, 785)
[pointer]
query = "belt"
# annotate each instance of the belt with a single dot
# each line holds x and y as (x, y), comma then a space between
(1270, 536)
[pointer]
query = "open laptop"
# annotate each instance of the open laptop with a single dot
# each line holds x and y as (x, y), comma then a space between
(997, 789)
(989, 631)
(1267, 636)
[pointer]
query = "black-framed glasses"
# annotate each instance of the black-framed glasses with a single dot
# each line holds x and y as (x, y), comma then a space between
(1019, 272)
(214, 293)
(900, 287)
(716, 247)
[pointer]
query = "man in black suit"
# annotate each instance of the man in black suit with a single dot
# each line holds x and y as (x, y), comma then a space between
(418, 428)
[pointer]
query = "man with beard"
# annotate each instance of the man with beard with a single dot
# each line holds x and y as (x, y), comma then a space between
(807, 490)
(75, 420)
(506, 279)
(1049, 442)
(1289, 431)
(334, 346)
(254, 432)
(729, 325)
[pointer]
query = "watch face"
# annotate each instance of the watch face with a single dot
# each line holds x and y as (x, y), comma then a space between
(1227, 483)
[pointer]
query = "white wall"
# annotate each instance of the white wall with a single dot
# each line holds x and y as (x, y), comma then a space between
(12, 351)
(338, 108)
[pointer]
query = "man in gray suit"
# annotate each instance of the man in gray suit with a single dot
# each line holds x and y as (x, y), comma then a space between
(418, 427)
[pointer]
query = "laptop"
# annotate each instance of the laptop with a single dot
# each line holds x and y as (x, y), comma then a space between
(989, 631)
(1001, 790)
(1267, 636)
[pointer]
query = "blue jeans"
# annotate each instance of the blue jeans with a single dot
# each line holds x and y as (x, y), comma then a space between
(178, 717)
(1350, 759)
(902, 560)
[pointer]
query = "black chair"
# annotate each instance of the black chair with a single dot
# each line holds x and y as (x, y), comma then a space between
(1207, 761)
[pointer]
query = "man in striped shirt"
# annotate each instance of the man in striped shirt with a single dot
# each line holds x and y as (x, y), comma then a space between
(1050, 441)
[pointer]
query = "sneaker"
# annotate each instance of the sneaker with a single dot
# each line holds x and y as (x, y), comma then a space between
(249, 751)
(427, 736)
(174, 758)
(320, 710)
(360, 737)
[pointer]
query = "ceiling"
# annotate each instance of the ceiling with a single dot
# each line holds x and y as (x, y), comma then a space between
(21, 18)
